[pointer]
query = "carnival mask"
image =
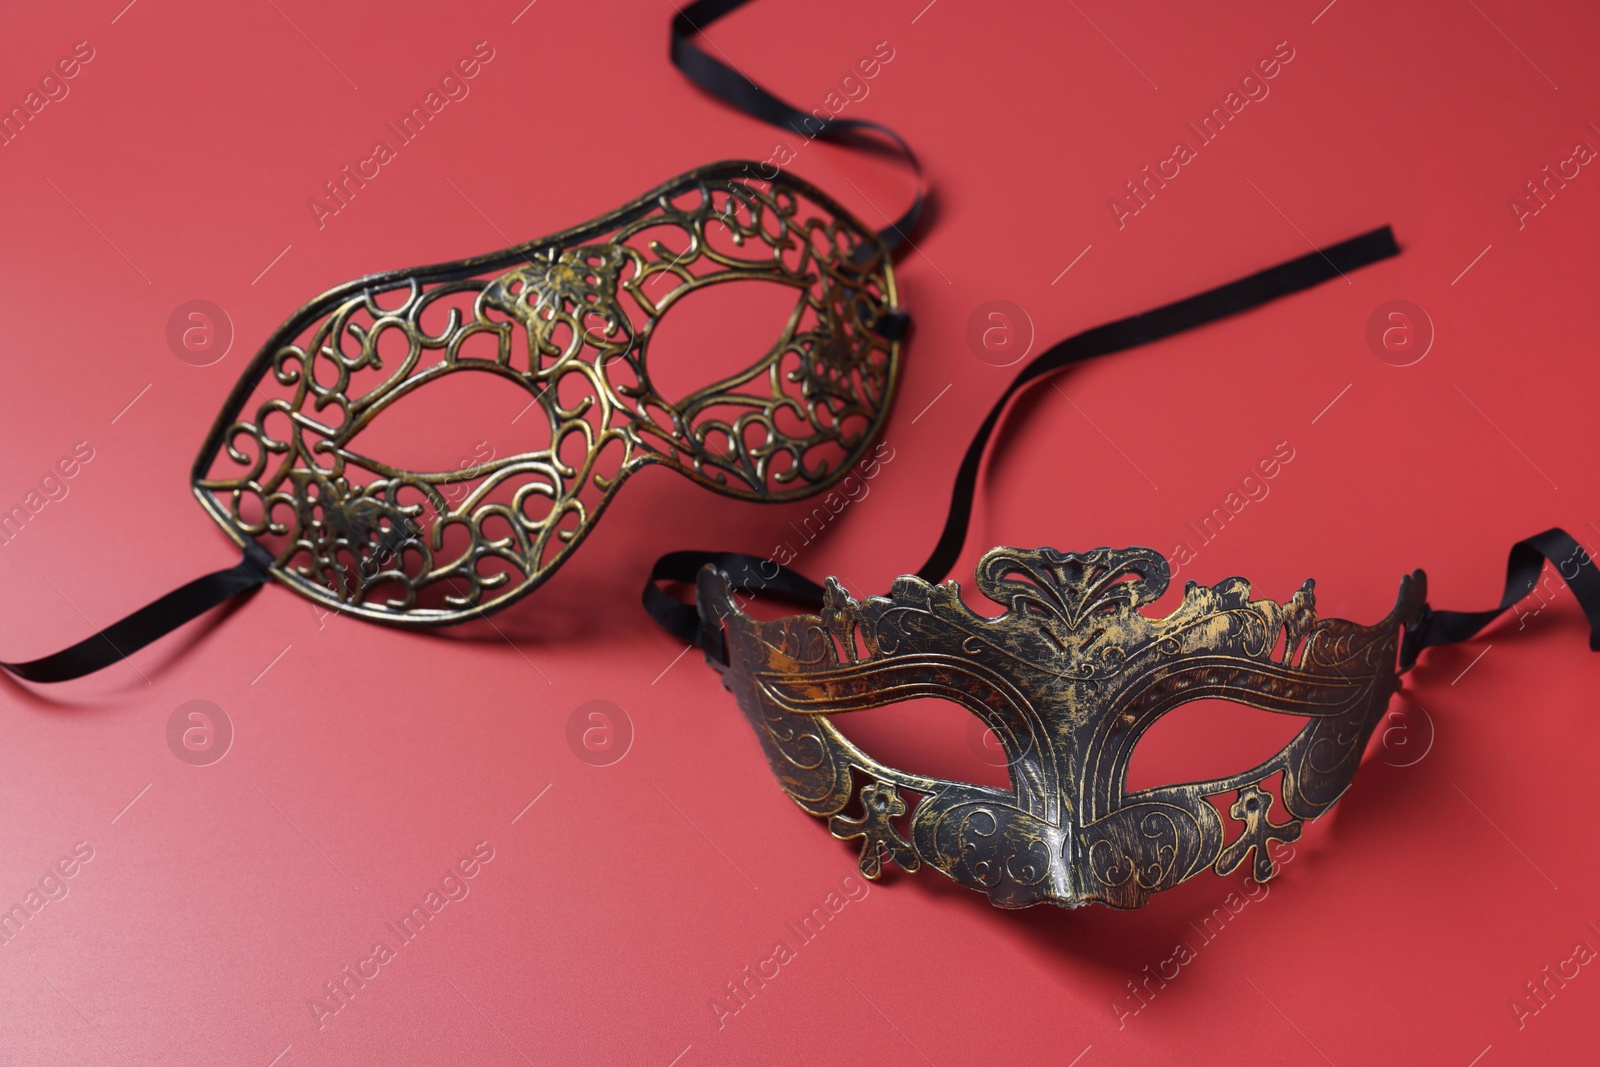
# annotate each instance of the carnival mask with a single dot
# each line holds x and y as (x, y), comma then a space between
(569, 320)
(1069, 678)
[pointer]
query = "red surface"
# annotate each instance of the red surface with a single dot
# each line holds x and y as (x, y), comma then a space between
(367, 762)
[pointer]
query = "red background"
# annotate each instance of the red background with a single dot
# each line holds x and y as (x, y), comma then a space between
(366, 761)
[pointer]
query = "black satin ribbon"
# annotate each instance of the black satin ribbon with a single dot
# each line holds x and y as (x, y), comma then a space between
(745, 573)
(1207, 307)
(733, 88)
(155, 620)
(1523, 567)
(748, 573)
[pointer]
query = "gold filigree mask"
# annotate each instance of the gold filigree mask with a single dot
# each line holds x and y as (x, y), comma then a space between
(569, 319)
(1069, 677)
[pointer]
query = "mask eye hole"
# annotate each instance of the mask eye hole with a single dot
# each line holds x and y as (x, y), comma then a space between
(455, 423)
(929, 736)
(1208, 739)
(720, 331)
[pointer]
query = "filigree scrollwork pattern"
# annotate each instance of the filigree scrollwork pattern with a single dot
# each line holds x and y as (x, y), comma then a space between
(1070, 676)
(569, 320)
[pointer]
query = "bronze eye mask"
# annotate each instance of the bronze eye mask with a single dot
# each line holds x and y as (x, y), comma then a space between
(569, 320)
(1069, 678)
